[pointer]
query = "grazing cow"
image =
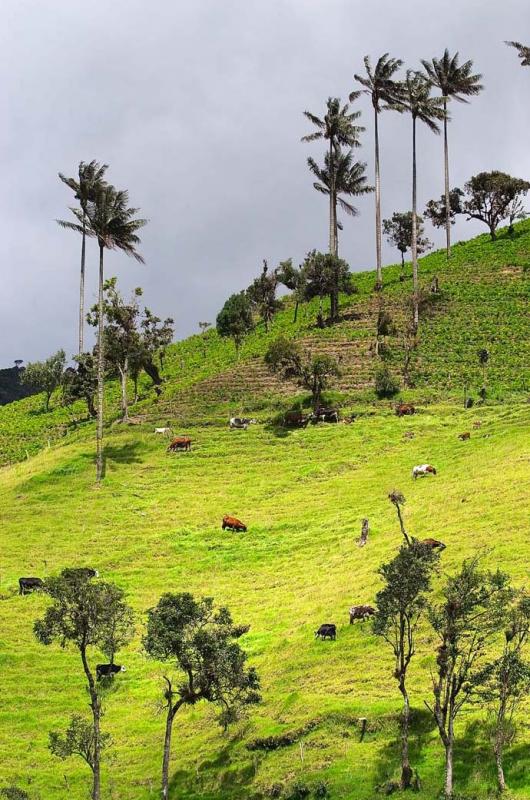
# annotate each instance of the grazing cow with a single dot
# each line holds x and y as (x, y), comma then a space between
(27, 585)
(233, 524)
(327, 415)
(405, 409)
(327, 631)
(361, 612)
(422, 470)
(241, 423)
(361, 541)
(106, 670)
(179, 443)
(464, 436)
(163, 431)
(434, 544)
(295, 419)
(81, 573)
(477, 424)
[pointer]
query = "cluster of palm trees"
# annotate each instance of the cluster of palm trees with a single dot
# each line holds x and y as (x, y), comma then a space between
(103, 214)
(412, 94)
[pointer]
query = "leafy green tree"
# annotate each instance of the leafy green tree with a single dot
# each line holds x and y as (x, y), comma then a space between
(314, 373)
(400, 605)
(436, 210)
(46, 376)
(398, 501)
(90, 179)
(109, 220)
(87, 614)
(489, 197)
(262, 295)
(343, 176)
(235, 319)
(156, 336)
(324, 274)
(470, 613)
(80, 383)
(523, 52)
(78, 740)
(292, 278)
(516, 211)
(200, 642)
(385, 383)
(505, 682)
(379, 83)
(416, 99)
(398, 232)
(339, 129)
(456, 82)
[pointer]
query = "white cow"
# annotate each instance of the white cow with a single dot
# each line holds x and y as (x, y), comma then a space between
(241, 423)
(423, 469)
(163, 431)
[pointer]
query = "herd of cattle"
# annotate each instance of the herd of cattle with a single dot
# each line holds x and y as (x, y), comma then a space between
(296, 418)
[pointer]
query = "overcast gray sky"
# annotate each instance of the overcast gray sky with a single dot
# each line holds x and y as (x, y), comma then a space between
(197, 107)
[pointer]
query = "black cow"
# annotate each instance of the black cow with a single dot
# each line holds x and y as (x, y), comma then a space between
(327, 631)
(28, 585)
(327, 415)
(296, 419)
(106, 670)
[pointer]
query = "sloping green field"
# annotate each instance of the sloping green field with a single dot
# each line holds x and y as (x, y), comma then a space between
(154, 526)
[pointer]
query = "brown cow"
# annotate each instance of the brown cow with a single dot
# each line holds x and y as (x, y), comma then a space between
(179, 443)
(405, 409)
(434, 544)
(360, 612)
(464, 436)
(233, 524)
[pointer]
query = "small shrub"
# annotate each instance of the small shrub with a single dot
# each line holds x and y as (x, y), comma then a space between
(13, 793)
(385, 383)
(322, 789)
(299, 791)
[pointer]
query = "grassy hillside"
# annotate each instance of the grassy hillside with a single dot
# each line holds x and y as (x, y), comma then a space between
(483, 302)
(303, 496)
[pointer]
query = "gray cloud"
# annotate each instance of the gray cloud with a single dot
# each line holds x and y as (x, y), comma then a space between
(197, 108)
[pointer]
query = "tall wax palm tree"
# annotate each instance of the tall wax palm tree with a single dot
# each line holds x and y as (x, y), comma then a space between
(339, 128)
(416, 99)
(90, 178)
(113, 224)
(380, 85)
(523, 51)
(456, 82)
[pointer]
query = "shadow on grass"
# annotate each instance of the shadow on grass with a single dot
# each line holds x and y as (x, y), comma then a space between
(388, 766)
(474, 758)
(124, 454)
(233, 782)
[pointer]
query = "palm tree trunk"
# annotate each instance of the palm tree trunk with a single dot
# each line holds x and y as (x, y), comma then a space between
(82, 289)
(447, 206)
(332, 201)
(101, 376)
(379, 280)
(415, 286)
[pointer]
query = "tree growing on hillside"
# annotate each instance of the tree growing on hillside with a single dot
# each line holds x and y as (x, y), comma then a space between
(314, 373)
(455, 82)
(326, 275)
(339, 128)
(489, 197)
(78, 740)
(398, 232)
(235, 319)
(80, 382)
(292, 278)
(523, 52)
(89, 181)
(465, 621)
(343, 176)
(505, 682)
(516, 211)
(46, 376)
(416, 99)
(398, 501)
(380, 85)
(262, 295)
(400, 605)
(437, 210)
(86, 615)
(201, 643)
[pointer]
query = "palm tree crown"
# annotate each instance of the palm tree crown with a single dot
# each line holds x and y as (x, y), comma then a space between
(337, 125)
(379, 82)
(91, 177)
(454, 80)
(522, 51)
(349, 178)
(415, 97)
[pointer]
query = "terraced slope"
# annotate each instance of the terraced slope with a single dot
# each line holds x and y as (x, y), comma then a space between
(155, 526)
